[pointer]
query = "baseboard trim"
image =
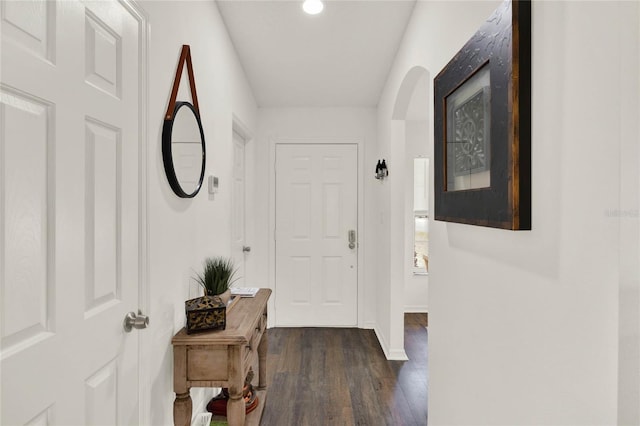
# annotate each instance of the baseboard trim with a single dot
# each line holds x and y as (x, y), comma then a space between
(390, 354)
(415, 309)
(398, 355)
(369, 325)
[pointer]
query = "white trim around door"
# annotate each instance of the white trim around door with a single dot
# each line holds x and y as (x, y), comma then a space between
(144, 295)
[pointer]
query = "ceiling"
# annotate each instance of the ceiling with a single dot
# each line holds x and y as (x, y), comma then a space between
(340, 57)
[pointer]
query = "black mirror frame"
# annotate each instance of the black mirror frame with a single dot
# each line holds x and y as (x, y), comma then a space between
(167, 156)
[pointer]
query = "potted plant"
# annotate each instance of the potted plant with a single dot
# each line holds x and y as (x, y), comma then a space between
(217, 276)
(209, 311)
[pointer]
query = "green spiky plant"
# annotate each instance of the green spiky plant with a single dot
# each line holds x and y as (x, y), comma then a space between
(217, 275)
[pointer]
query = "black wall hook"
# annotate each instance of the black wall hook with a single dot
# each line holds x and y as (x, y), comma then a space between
(381, 169)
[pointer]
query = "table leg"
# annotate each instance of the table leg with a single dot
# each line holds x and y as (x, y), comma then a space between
(263, 347)
(236, 408)
(182, 407)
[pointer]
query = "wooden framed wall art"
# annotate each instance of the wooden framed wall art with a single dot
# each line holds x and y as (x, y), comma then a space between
(482, 147)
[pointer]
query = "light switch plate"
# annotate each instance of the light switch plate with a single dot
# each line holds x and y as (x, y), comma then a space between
(213, 184)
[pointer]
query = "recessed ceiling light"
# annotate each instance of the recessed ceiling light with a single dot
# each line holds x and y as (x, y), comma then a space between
(312, 7)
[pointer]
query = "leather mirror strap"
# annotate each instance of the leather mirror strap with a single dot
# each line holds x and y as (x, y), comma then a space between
(185, 55)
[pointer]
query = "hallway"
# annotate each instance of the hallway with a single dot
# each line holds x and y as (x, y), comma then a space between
(538, 327)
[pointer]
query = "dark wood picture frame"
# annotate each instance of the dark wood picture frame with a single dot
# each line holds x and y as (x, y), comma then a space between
(503, 44)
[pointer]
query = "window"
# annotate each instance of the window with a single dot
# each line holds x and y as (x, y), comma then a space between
(420, 216)
(421, 243)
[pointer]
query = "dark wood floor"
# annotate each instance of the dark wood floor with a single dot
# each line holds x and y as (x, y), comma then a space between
(334, 376)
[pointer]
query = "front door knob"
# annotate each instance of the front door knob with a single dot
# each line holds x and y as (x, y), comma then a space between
(246, 249)
(133, 320)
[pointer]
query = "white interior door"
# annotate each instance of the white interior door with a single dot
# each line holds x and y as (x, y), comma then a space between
(238, 248)
(316, 208)
(69, 206)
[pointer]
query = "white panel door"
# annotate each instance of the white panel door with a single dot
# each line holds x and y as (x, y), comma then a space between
(69, 212)
(316, 207)
(238, 209)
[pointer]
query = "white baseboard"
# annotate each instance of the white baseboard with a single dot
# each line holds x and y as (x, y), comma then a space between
(383, 343)
(369, 325)
(397, 355)
(390, 354)
(416, 309)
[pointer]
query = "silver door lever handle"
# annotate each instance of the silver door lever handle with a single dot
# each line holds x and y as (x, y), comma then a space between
(133, 320)
(352, 239)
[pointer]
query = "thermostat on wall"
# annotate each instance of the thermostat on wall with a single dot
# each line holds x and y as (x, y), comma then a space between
(213, 184)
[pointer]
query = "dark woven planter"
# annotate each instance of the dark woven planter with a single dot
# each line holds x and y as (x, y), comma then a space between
(205, 313)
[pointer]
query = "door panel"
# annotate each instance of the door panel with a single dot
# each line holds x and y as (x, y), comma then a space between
(69, 212)
(316, 207)
(25, 218)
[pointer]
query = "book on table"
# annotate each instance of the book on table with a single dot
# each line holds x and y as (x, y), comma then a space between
(244, 291)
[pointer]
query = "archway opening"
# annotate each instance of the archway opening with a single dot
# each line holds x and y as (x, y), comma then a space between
(413, 148)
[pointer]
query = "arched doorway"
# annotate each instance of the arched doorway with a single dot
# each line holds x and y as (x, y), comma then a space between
(411, 140)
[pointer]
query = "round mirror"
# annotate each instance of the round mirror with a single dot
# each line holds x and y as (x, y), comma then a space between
(183, 150)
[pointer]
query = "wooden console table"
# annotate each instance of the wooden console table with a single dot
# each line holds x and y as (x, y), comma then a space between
(222, 358)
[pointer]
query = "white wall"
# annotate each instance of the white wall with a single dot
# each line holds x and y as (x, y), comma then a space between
(539, 327)
(321, 124)
(629, 223)
(182, 232)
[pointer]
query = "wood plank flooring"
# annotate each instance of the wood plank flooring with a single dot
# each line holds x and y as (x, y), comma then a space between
(337, 376)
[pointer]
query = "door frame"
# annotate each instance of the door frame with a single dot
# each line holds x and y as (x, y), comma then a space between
(238, 126)
(144, 296)
(359, 143)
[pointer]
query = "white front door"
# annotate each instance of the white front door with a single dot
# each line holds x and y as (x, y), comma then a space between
(316, 209)
(238, 209)
(69, 211)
